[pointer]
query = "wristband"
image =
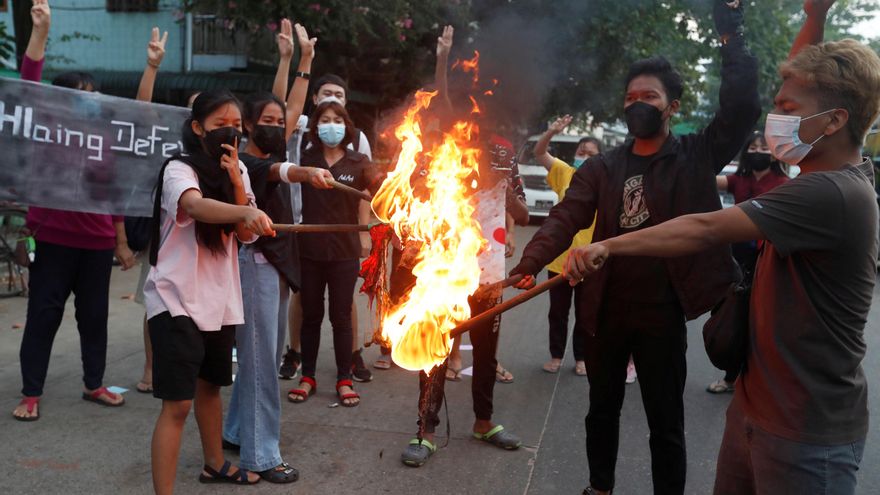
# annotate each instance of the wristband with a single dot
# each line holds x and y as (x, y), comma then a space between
(304, 75)
(285, 167)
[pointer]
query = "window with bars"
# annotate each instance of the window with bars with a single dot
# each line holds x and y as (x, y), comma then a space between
(130, 5)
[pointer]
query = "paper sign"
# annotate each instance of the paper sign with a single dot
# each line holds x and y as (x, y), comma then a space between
(469, 371)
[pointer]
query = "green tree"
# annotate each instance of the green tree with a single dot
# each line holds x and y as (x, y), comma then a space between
(7, 46)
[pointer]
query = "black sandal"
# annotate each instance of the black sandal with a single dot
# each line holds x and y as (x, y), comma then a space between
(223, 476)
(282, 473)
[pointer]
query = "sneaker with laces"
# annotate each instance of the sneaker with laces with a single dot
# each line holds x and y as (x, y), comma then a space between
(289, 364)
(359, 371)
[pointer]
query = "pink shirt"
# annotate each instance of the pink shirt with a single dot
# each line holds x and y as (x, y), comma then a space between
(67, 228)
(188, 279)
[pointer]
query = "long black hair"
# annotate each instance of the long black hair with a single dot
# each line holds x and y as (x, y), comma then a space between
(744, 170)
(213, 180)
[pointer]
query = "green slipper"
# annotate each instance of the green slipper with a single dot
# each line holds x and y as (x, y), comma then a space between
(418, 452)
(499, 437)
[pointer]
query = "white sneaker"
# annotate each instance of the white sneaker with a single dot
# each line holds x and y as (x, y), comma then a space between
(631, 373)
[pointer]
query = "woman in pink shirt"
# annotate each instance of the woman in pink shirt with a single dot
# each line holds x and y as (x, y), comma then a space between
(193, 296)
(74, 253)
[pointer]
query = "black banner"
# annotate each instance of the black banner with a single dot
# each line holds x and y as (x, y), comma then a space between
(72, 150)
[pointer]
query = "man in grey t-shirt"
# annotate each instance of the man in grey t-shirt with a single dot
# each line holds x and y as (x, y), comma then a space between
(799, 417)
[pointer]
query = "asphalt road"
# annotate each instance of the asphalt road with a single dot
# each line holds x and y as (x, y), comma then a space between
(81, 448)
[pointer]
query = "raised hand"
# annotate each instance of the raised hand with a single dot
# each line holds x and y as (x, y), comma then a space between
(559, 124)
(156, 48)
(728, 16)
(817, 8)
(41, 16)
(306, 44)
(229, 162)
(444, 42)
(285, 39)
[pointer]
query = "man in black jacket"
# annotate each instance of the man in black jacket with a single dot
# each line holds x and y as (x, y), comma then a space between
(639, 305)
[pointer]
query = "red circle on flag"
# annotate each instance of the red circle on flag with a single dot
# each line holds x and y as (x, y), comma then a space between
(499, 235)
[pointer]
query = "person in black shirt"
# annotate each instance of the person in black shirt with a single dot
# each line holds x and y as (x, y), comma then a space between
(256, 431)
(331, 260)
(639, 307)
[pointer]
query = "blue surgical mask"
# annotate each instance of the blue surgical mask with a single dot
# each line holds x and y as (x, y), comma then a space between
(331, 134)
(578, 162)
(782, 133)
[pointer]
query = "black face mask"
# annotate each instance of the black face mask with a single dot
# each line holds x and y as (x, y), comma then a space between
(270, 139)
(643, 120)
(758, 162)
(214, 141)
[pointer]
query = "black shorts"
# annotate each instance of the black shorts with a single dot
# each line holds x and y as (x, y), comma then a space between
(182, 353)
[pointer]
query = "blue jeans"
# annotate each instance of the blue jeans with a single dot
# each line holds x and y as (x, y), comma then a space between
(754, 461)
(254, 417)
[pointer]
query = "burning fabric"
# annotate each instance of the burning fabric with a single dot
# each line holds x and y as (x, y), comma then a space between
(440, 221)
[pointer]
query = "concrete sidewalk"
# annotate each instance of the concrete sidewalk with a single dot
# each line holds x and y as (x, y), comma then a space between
(81, 448)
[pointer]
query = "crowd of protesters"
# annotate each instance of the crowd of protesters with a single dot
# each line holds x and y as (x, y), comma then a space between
(643, 221)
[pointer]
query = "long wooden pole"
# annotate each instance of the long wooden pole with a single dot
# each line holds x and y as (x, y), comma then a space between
(342, 187)
(507, 305)
(302, 227)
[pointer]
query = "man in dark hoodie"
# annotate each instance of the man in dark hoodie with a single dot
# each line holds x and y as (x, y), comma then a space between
(639, 305)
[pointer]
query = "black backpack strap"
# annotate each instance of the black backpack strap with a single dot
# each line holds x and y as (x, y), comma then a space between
(157, 214)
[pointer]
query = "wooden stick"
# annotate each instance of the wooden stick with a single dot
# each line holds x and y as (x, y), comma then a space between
(506, 305)
(301, 227)
(342, 187)
(489, 288)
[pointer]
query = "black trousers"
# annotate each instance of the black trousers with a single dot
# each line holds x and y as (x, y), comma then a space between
(338, 278)
(55, 273)
(560, 307)
(484, 338)
(655, 335)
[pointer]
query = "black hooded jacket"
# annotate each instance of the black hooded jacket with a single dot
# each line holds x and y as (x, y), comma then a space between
(679, 181)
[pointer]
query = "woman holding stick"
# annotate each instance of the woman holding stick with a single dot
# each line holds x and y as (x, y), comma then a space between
(331, 260)
(253, 424)
(193, 294)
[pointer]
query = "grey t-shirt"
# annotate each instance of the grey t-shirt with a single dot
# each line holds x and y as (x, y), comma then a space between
(813, 288)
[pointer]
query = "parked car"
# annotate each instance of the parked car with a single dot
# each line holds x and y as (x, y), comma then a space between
(539, 197)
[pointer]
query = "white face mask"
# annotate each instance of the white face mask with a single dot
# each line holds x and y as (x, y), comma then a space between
(782, 135)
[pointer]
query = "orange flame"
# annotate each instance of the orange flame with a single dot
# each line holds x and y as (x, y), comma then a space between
(472, 65)
(441, 223)
(489, 93)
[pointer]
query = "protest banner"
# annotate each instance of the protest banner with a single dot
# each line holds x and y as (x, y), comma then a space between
(73, 150)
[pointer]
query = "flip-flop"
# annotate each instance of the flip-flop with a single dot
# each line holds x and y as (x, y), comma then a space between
(144, 387)
(383, 363)
(96, 397)
(501, 376)
(500, 437)
(418, 452)
(551, 367)
(580, 368)
(30, 402)
(456, 375)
